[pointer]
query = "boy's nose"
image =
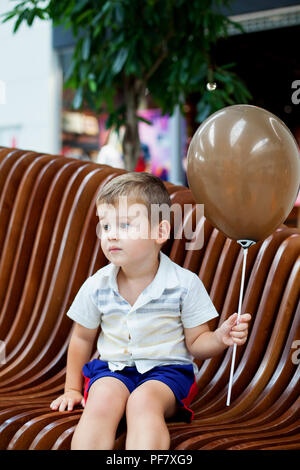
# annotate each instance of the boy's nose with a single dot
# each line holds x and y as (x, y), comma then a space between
(112, 234)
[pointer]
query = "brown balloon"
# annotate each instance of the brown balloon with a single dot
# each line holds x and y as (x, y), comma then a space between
(244, 166)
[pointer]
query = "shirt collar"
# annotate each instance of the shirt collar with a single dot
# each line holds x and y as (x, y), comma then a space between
(166, 277)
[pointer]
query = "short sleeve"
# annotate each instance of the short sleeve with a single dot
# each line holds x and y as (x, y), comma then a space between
(197, 306)
(83, 310)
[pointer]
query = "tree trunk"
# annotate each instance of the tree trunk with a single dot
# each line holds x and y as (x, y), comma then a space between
(131, 139)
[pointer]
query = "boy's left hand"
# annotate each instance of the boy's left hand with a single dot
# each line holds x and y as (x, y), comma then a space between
(230, 332)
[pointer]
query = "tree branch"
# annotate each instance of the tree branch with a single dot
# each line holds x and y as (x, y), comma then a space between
(159, 59)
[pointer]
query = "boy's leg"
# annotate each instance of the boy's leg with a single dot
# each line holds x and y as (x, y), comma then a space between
(104, 408)
(147, 408)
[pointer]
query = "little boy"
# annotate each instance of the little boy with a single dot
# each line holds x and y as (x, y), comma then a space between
(153, 315)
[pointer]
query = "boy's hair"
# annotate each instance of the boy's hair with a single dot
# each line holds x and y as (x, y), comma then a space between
(139, 187)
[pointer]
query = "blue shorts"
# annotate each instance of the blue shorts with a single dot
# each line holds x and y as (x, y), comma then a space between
(179, 377)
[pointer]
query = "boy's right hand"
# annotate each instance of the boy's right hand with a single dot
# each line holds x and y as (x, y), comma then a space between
(67, 401)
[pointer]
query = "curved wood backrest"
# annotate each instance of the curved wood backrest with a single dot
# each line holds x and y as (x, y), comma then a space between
(49, 246)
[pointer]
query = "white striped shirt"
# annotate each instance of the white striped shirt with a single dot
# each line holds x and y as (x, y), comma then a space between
(150, 332)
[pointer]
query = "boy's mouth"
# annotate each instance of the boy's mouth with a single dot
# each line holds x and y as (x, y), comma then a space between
(113, 249)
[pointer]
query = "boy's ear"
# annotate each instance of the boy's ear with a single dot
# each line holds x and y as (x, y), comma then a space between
(163, 232)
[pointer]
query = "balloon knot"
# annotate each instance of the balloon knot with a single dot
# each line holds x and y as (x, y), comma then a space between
(246, 243)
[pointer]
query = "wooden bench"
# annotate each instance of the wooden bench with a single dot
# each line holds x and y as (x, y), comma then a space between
(48, 247)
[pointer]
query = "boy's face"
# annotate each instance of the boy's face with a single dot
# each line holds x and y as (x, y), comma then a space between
(125, 232)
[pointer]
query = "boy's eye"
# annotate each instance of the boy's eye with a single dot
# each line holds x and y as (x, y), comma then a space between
(124, 225)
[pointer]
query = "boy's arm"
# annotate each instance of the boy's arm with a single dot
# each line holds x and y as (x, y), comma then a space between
(203, 343)
(79, 352)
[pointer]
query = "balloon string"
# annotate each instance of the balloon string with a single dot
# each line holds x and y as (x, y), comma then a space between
(237, 320)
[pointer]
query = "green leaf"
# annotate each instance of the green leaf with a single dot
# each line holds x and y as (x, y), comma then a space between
(40, 13)
(99, 16)
(83, 18)
(30, 16)
(223, 78)
(78, 98)
(86, 46)
(141, 118)
(19, 21)
(120, 60)
(70, 70)
(119, 13)
(203, 110)
(92, 85)
(79, 5)
(229, 88)
(9, 16)
(228, 66)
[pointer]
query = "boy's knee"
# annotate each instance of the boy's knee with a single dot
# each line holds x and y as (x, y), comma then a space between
(140, 402)
(152, 398)
(105, 402)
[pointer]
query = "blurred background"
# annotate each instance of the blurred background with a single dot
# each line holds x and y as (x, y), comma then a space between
(37, 113)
